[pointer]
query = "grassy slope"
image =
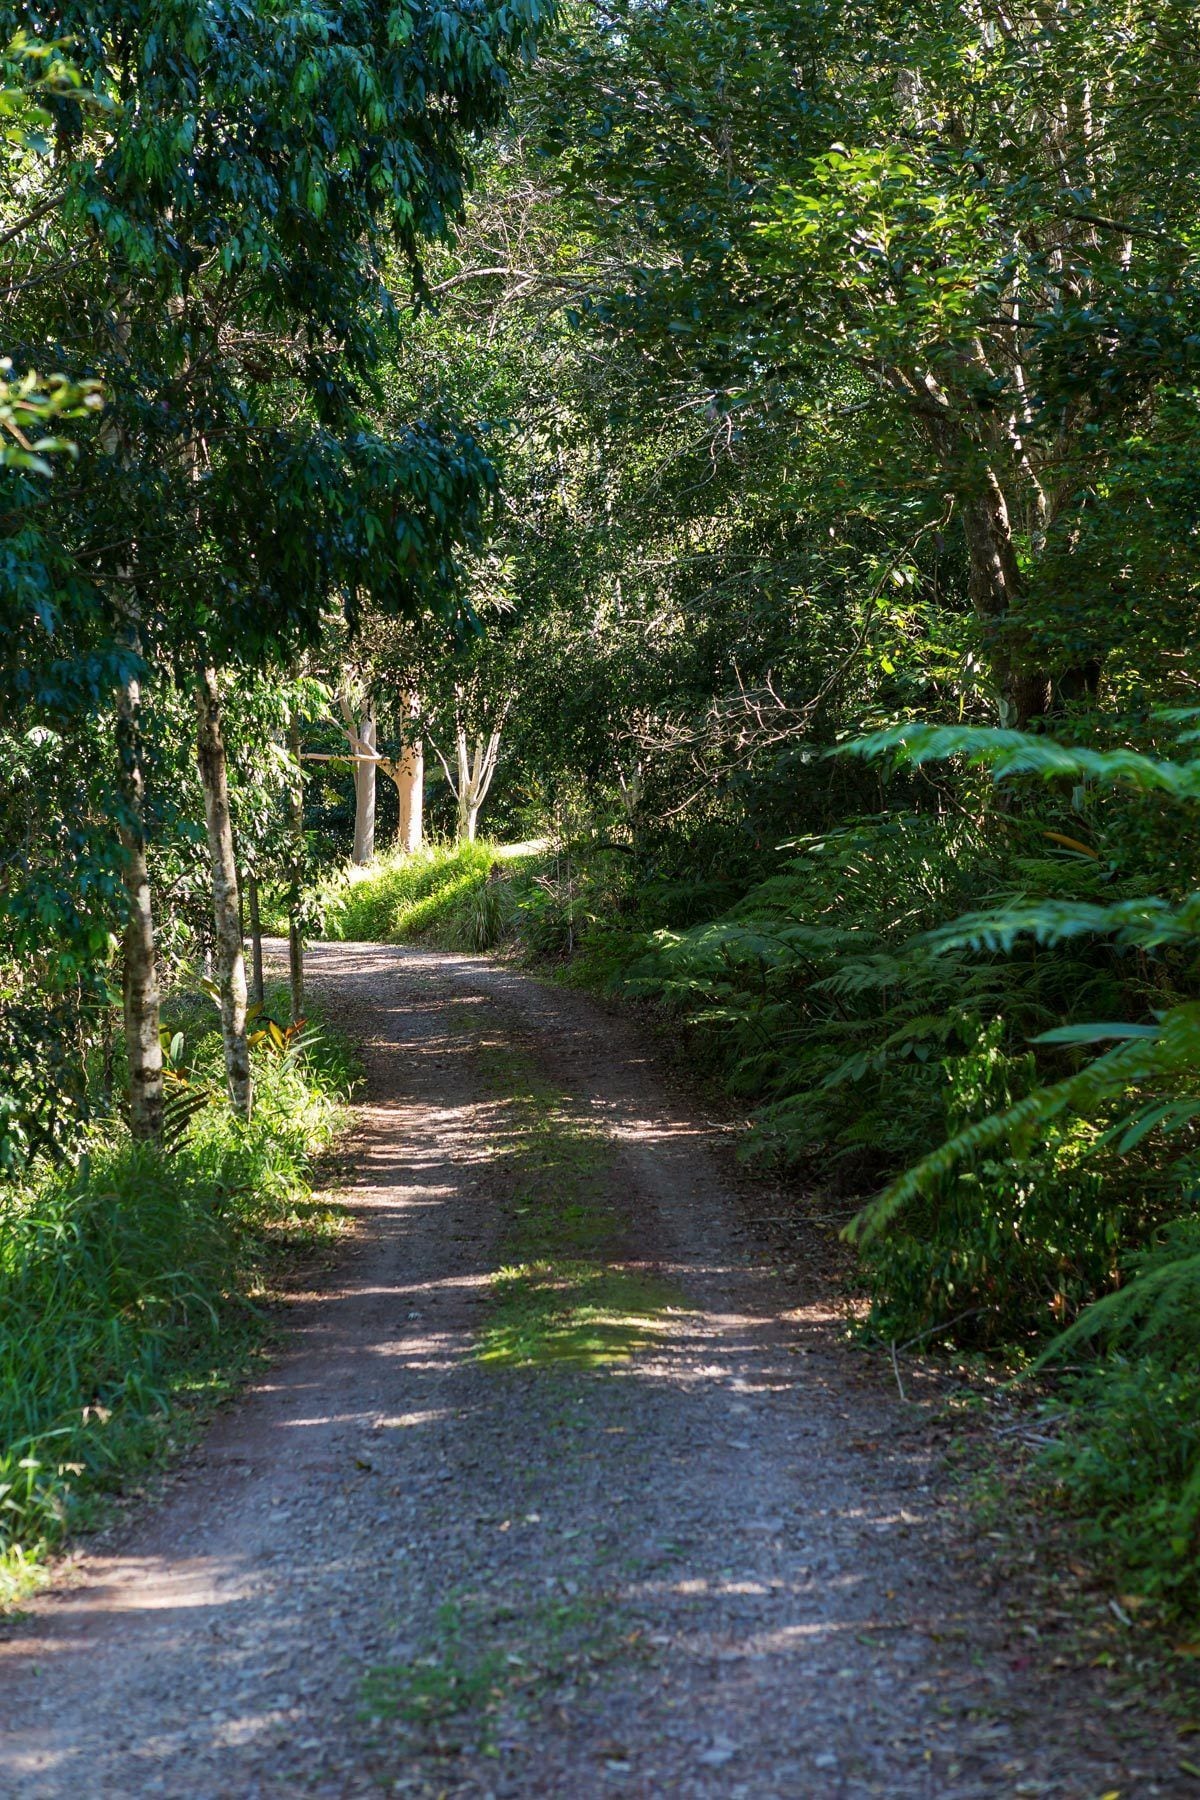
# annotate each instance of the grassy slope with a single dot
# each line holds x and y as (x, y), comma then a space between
(457, 896)
(573, 916)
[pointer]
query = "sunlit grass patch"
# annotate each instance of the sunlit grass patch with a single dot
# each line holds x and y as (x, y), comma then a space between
(447, 894)
(573, 1312)
(563, 1296)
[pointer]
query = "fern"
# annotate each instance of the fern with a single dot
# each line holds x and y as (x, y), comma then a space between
(1168, 1052)
(1011, 753)
(1148, 924)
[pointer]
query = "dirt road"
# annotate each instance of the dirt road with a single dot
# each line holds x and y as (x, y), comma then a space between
(722, 1567)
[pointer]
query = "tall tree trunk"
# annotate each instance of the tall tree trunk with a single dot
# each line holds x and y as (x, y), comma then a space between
(143, 1039)
(257, 992)
(471, 779)
(995, 585)
(227, 920)
(994, 579)
(464, 826)
(364, 794)
(410, 785)
(295, 936)
(362, 739)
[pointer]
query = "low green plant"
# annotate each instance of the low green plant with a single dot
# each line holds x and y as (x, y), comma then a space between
(485, 1655)
(128, 1284)
(818, 1000)
(1128, 1457)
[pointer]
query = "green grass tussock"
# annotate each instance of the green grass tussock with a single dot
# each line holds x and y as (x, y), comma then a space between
(584, 915)
(447, 895)
(128, 1283)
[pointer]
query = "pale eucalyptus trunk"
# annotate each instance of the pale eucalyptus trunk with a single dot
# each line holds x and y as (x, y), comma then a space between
(362, 739)
(364, 794)
(227, 920)
(143, 1037)
(409, 778)
(407, 775)
(476, 769)
(296, 819)
(410, 786)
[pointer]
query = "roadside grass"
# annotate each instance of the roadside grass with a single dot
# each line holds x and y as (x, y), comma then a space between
(573, 917)
(562, 1295)
(132, 1284)
(457, 896)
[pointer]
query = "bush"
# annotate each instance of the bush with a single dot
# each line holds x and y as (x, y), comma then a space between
(1128, 1458)
(127, 1283)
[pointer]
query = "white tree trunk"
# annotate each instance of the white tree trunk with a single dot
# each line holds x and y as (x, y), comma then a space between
(227, 914)
(410, 785)
(476, 767)
(361, 734)
(296, 833)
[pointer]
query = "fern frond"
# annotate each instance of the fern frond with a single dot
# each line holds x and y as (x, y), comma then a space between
(1170, 1050)
(1155, 1292)
(1009, 753)
(1148, 924)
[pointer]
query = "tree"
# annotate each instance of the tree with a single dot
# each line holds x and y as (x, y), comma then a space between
(970, 230)
(223, 219)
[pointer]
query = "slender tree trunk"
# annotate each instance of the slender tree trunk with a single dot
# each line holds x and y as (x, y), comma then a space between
(362, 739)
(411, 789)
(143, 1040)
(994, 577)
(995, 585)
(463, 830)
(474, 776)
(364, 795)
(295, 936)
(257, 993)
(227, 920)
(410, 785)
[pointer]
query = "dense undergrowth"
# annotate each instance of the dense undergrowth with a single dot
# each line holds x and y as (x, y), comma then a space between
(131, 1280)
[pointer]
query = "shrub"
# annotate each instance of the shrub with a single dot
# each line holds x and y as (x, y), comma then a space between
(127, 1283)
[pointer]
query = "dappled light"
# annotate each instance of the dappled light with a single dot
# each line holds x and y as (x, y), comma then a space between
(612, 1506)
(599, 997)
